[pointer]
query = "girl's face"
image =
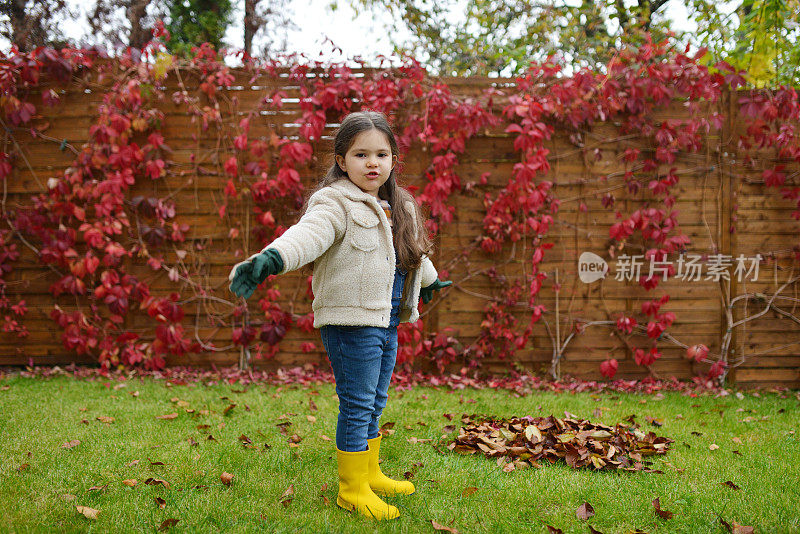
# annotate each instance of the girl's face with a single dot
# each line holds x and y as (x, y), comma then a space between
(369, 161)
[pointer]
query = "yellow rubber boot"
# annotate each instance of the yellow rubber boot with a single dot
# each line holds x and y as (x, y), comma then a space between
(380, 483)
(354, 490)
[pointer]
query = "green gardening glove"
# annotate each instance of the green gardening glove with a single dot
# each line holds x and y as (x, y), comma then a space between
(246, 276)
(427, 292)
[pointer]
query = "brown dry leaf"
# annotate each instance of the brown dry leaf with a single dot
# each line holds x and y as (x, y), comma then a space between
(167, 524)
(416, 440)
(584, 511)
(130, 482)
(155, 481)
(23, 467)
(226, 478)
(468, 491)
(311, 418)
(437, 526)
(172, 415)
(713, 447)
(134, 393)
(554, 530)
(227, 410)
(90, 513)
(71, 444)
(737, 439)
(593, 530)
(161, 503)
(664, 514)
(133, 463)
(105, 419)
(736, 528)
(325, 438)
(730, 484)
(98, 488)
(654, 421)
(288, 495)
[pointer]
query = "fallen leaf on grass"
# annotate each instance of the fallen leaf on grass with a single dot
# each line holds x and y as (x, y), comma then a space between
(105, 419)
(288, 496)
(736, 528)
(554, 530)
(713, 447)
(98, 488)
(468, 491)
(133, 463)
(167, 524)
(23, 467)
(325, 438)
(415, 440)
(130, 482)
(737, 439)
(437, 526)
(90, 513)
(653, 420)
(226, 478)
(730, 484)
(71, 444)
(584, 511)
(227, 410)
(172, 415)
(311, 418)
(593, 530)
(664, 514)
(155, 481)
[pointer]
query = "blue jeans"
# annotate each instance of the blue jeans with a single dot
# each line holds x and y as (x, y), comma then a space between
(362, 358)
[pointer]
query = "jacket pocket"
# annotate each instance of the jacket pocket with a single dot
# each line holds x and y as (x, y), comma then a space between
(364, 234)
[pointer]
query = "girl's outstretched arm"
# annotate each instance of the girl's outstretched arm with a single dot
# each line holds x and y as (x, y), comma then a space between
(322, 224)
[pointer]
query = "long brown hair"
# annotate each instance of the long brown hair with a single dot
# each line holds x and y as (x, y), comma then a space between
(409, 244)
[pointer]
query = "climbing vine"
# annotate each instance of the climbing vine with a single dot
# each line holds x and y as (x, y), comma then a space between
(116, 208)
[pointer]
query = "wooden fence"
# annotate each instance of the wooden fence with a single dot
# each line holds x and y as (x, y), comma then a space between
(715, 193)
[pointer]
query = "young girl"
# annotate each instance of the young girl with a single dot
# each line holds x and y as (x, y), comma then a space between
(370, 250)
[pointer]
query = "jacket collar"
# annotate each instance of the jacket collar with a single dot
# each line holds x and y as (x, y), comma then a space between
(353, 192)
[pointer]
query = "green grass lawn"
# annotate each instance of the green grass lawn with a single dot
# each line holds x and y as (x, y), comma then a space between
(42, 483)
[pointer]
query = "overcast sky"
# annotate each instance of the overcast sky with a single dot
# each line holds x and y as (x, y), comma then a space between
(362, 35)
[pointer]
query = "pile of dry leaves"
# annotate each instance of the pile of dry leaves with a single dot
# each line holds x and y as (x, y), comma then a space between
(523, 442)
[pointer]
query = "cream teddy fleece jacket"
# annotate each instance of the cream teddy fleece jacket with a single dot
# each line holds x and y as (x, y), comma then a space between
(346, 234)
